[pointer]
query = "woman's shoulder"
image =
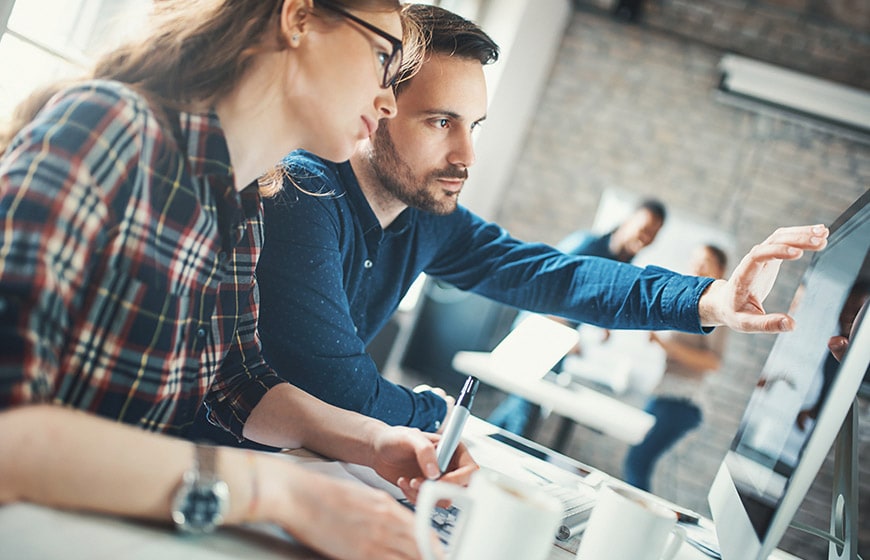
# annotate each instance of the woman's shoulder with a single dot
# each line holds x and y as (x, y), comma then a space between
(75, 114)
(95, 101)
(100, 121)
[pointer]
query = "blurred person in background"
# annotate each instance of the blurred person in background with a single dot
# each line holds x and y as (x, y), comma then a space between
(676, 402)
(620, 244)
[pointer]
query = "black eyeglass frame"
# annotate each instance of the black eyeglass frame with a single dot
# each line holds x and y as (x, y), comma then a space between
(394, 62)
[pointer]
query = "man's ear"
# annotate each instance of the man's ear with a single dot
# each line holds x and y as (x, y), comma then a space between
(295, 20)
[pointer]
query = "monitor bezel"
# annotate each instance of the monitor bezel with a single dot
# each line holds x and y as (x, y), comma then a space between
(738, 539)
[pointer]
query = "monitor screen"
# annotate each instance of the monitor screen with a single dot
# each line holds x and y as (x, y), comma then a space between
(802, 395)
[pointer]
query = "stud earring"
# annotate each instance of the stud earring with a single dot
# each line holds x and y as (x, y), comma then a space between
(294, 38)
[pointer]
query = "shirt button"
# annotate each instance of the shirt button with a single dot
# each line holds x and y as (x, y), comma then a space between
(200, 333)
(368, 264)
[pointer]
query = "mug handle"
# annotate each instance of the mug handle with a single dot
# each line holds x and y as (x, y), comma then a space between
(678, 537)
(431, 492)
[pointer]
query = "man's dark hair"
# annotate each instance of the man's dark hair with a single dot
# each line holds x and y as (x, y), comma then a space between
(719, 255)
(446, 33)
(654, 207)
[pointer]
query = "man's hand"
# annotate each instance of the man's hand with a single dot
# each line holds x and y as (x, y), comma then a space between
(459, 471)
(738, 302)
(838, 346)
(406, 457)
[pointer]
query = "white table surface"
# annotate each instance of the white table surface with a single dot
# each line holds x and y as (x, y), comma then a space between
(583, 405)
(30, 531)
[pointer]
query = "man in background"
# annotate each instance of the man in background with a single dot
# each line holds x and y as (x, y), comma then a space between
(621, 244)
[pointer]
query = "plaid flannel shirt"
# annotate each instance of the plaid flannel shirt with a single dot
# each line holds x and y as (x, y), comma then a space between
(127, 266)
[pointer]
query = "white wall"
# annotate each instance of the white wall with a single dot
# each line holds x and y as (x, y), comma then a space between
(529, 33)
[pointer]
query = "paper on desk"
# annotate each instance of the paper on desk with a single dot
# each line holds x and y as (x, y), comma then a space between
(368, 476)
(346, 471)
(520, 466)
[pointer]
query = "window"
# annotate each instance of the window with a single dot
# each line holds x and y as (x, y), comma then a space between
(46, 40)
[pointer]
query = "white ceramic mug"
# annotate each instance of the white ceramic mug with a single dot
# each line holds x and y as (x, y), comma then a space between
(627, 524)
(499, 518)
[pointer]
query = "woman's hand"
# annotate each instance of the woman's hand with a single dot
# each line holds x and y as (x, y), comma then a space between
(342, 519)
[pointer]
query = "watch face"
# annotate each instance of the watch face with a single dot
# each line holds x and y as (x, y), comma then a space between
(202, 507)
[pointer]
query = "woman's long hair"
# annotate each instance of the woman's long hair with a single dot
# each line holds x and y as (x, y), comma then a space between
(195, 50)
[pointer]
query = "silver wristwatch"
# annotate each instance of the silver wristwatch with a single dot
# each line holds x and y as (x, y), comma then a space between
(202, 498)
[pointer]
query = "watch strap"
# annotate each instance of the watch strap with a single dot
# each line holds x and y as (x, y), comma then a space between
(205, 463)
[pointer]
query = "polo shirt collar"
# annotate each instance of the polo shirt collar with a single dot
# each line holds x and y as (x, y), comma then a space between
(367, 218)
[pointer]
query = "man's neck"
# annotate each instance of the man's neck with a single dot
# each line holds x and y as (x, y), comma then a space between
(385, 206)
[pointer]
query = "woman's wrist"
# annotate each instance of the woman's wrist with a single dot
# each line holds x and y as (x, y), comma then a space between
(247, 475)
(252, 512)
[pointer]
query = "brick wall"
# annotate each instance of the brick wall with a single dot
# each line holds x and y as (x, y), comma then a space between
(633, 107)
(827, 38)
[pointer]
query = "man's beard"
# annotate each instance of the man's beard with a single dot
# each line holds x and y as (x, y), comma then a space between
(399, 179)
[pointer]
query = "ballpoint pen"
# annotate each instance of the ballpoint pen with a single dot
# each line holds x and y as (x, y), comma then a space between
(453, 430)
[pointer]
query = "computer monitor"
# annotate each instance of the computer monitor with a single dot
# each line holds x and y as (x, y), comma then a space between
(801, 400)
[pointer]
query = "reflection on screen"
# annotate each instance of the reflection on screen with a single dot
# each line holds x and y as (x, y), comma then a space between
(793, 386)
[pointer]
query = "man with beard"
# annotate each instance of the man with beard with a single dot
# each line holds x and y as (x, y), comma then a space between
(344, 242)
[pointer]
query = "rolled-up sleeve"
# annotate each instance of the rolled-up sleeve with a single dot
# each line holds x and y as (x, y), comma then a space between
(243, 376)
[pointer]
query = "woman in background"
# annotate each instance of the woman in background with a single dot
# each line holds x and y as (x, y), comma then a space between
(676, 401)
(130, 218)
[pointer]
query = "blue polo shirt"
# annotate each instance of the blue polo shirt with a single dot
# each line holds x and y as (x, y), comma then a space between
(330, 277)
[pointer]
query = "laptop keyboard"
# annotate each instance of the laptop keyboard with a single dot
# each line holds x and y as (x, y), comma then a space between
(443, 519)
(578, 507)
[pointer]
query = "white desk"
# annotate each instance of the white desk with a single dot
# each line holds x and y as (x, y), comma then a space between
(580, 404)
(29, 531)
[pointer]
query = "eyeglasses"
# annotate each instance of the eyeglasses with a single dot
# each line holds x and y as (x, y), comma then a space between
(393, 62)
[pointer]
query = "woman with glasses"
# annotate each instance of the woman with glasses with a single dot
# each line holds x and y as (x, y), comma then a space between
(130, 226)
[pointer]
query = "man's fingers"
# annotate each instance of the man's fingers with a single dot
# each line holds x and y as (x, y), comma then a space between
(770, 323)
(805, 237)
(838, 345)
(770, 251)
(424, 450)
(460, 475)
(408, 488)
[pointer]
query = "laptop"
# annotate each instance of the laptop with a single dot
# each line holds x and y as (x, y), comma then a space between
(534, 346)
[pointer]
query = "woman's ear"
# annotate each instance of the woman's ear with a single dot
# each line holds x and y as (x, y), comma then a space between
(295, 20)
